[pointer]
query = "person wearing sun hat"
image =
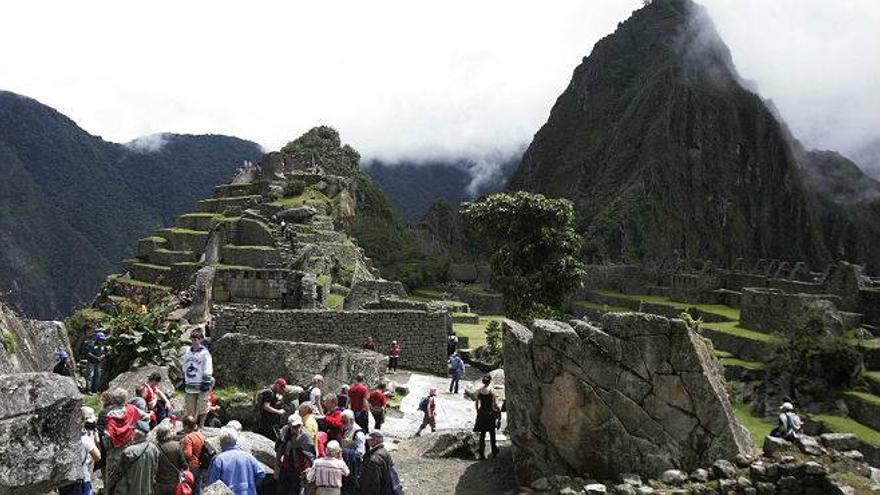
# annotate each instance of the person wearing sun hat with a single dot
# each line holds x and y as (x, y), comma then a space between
(63, 367)
(95, 355)
(790, 423)
(295, 453)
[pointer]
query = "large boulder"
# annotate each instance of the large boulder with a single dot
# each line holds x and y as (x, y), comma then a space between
(29, 345)
(40, 424)
(249, 361)
(131, 379)
(261, 447)
(470, 390)
(642, 393)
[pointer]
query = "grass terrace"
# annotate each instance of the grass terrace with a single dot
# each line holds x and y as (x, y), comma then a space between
(758, 427)
(842, 424)
(733, 328)
(607, 308)
(309, 196)
(475, 332)
(732, 361)
(719, 309)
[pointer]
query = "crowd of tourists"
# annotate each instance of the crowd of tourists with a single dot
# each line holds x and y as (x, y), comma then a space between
(323, 439)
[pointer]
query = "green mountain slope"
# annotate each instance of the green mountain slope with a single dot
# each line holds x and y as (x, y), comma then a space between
(70, 202)
(667, 155)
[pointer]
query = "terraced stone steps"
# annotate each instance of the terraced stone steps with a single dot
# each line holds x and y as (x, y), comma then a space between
(250, 256)
(219, 205)
(199, 221)
(149, 273)
(167, 257)
(185, 239)
(236, 190)
(863, 407)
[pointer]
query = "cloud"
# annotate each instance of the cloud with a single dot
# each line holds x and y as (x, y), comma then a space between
(151, 143)
(401, 79)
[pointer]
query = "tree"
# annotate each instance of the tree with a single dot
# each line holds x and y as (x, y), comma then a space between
(534, 248)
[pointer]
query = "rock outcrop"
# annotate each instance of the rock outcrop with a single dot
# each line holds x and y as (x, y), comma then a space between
(29, 345)
(640, 394)
(247, 360)
(40, 424)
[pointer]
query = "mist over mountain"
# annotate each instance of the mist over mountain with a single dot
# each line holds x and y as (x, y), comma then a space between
(71, 203)
(413, 186)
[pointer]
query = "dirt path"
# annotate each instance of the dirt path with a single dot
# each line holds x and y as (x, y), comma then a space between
(421, 475)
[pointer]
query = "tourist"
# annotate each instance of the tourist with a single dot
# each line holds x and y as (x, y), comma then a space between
(378, 404)
(89, 454)
(310, 425)
(369, 344)
(428, 406)
(327, 473)
(157, 401)
(197, 371)
(342, 397)
(171, 460)
(456, 372)
(120, 419)
(488, 416)
(95, 355)
(139, 401)
(332, 417)
(353, 450)
(376, 473)
(234, 424)
(212, 419)
(451, 344)
(238, 469)
(270, 402)
(393, 356)
(193, 444)
(790, 423)
(358, 402)
(63, 367)
(314, 392)
(295, 453)
(140, 460)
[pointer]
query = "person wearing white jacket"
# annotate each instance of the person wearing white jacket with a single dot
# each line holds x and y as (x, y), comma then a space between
(198, 370)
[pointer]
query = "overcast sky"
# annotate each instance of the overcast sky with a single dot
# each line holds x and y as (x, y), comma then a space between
(404, 79)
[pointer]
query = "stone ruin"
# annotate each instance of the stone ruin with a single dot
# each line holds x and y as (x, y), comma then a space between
(272, 240)
(640, 393)
(40, 416)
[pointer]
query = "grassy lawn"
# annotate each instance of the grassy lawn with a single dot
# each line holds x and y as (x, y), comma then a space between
(180, 230)
(131, 281)
(248, 248)
(334, 301)
(751, 365)
(869, 398)
(872, 376)
(758, 427)
(476, 333)
(733, 328)
(842, 424)
(719, 309)
(308, 196)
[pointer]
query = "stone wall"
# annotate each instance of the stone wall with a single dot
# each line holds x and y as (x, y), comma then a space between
(370, 291)
(640, 394)
(275, 288)
(421, 334)
(870, 299)
(249, 361)
(40, 424)
(481, 301)
(777, 311)
(629, 279)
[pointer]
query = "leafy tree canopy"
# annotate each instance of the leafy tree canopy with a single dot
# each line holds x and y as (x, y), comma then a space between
(534, 245)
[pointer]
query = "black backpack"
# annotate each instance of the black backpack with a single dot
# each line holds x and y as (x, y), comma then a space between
(207, 455)
(306, 394)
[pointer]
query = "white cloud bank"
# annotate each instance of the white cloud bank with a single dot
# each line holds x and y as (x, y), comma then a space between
(403, 79)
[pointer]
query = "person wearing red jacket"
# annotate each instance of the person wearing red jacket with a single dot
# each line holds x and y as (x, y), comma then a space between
(393, 356)
(331, 421)
(357, 398)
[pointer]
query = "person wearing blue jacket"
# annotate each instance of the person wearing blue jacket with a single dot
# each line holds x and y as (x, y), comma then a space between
(238, 469)
(456, 371)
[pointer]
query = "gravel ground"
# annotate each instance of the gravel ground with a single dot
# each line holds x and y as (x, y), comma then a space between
(450, 475)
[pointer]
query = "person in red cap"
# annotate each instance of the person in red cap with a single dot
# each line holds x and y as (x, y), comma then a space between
(270, 404)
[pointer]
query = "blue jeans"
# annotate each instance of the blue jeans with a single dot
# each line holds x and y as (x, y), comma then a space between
(197, 476)
(453, 385)
(93, 376)
(78, 488)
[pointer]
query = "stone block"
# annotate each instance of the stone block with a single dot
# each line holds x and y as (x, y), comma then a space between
(40, 424)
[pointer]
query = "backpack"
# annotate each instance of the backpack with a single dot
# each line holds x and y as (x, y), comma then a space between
(306, 394)
(207, 455)
(423, 404)
(393, 486)
(258, 404)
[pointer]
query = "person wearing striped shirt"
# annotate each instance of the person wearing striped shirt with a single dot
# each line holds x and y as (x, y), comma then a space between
(327, 472)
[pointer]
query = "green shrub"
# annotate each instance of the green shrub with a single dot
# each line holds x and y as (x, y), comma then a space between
(9, 341)
(136, 338)
(493, 343)
(293, 188)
